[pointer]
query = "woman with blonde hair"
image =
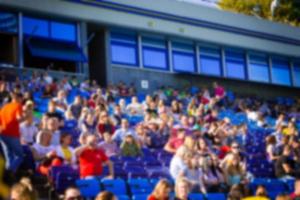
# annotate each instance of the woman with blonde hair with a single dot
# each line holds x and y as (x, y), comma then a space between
(182, 189)
(161, 191)
(21, 191)
(105, 195)
(188, 144)
(235, 172)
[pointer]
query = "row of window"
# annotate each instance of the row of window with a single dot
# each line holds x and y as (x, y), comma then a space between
(155, 55)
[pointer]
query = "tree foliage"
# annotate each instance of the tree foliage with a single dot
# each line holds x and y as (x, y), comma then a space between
(287, 12)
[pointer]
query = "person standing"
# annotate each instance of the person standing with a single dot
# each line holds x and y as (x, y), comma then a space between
(10, 117)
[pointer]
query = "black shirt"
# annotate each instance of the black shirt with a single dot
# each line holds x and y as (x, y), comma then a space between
(279, 171)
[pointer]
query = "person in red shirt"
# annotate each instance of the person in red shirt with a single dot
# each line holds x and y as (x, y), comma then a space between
(10, 117)
(92, 158)
(296, 194)
(161, 191)
(176, 141)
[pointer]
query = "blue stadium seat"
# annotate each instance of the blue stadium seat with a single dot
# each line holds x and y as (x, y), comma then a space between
(214, 196)
(64, 180)
(140, 197)
(117, 186)
(89, 188)
(196, 196)
(123, 197)
(139, 186)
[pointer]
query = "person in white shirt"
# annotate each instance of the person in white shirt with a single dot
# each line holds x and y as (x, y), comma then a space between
(52, 126)
(28, 131)
(134, 108)
(178, 163)
(42, 148)
(122, 132)
(61, 101)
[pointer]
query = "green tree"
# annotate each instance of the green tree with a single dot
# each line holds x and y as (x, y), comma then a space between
(287, 12)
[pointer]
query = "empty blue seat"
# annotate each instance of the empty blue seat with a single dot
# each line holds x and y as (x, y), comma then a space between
(65, 180)
(140, 197)
(140, 186)
(116, 186)
(214, 196)
(88, 187)
(196, 196)
(123, 197)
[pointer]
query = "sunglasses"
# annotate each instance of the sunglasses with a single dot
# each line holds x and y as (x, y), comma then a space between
(75, 198)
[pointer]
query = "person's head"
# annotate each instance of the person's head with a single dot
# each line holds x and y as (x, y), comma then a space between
(184, 120)
(16, 97)
(162, 189)
(283, 197)
(44, 137)
(202, 143)
(270, 139)
(124, 123)
(261, 191)
(107, 137)
(105, 195)
(104, 117)
(65, 139)
(61, 94)
(51, 106)
(134, 99)
(21, 191)
(129, 139)
(52, 124)
(72, 193)
(182, 188)
(181, 133)
(189, 142)
(235, 148)
(91, 141)
(82, 138)
(29, 120)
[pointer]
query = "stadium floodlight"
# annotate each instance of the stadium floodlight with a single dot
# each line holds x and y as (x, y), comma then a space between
(275, 4)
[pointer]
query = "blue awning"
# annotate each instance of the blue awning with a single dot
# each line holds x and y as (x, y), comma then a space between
(55, 50)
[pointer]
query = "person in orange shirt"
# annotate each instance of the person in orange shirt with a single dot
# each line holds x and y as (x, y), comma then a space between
(10, 117)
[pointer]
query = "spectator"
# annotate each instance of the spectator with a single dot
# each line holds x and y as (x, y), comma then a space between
(284, 165)
(28, 131)
(11, 115)
(89, 124)
(21, 191)
(134, 108)
(61, 101)
(91, 158)
(118, 115)
(161, 191)
(52, 126)
(271, 148)
(179, 162)
(109, 146)
(175, 142)
(105, 124)
(182, 189)
(123, 131)
(296, 194)
(76, 107)
(105, 195)
(72, 193)
(283, 197)
(261, 191)
(65, 151)
(234, 172)
(130, 147)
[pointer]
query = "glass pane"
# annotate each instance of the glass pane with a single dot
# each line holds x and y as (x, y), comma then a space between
(123, 54)
(210, 65)
(281, 72)
(184, 62)
(258, 68)
(154, 58)
(297, 74)
(235, 64)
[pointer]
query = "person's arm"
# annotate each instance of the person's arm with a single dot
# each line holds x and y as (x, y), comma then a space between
(287, 168)
(169, 148)
(78, 151)
(110, 169)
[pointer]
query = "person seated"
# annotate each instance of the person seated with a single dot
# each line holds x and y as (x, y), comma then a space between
(134, 108)
(28, 131)
(123, 131)
(296, 193)
(194, 176)
(179, 162)
(156, 139)
(161, 191)
(76, 107)
(61, 101)
(92, 159)
(175, 142)
(23, 191)
(284, 165)
(235, 172)
(65, 151)
(89, 124)
(53, 127)
(109, 146)
(105, 124)
(271, 148)
(45, 153)
(130, 147)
